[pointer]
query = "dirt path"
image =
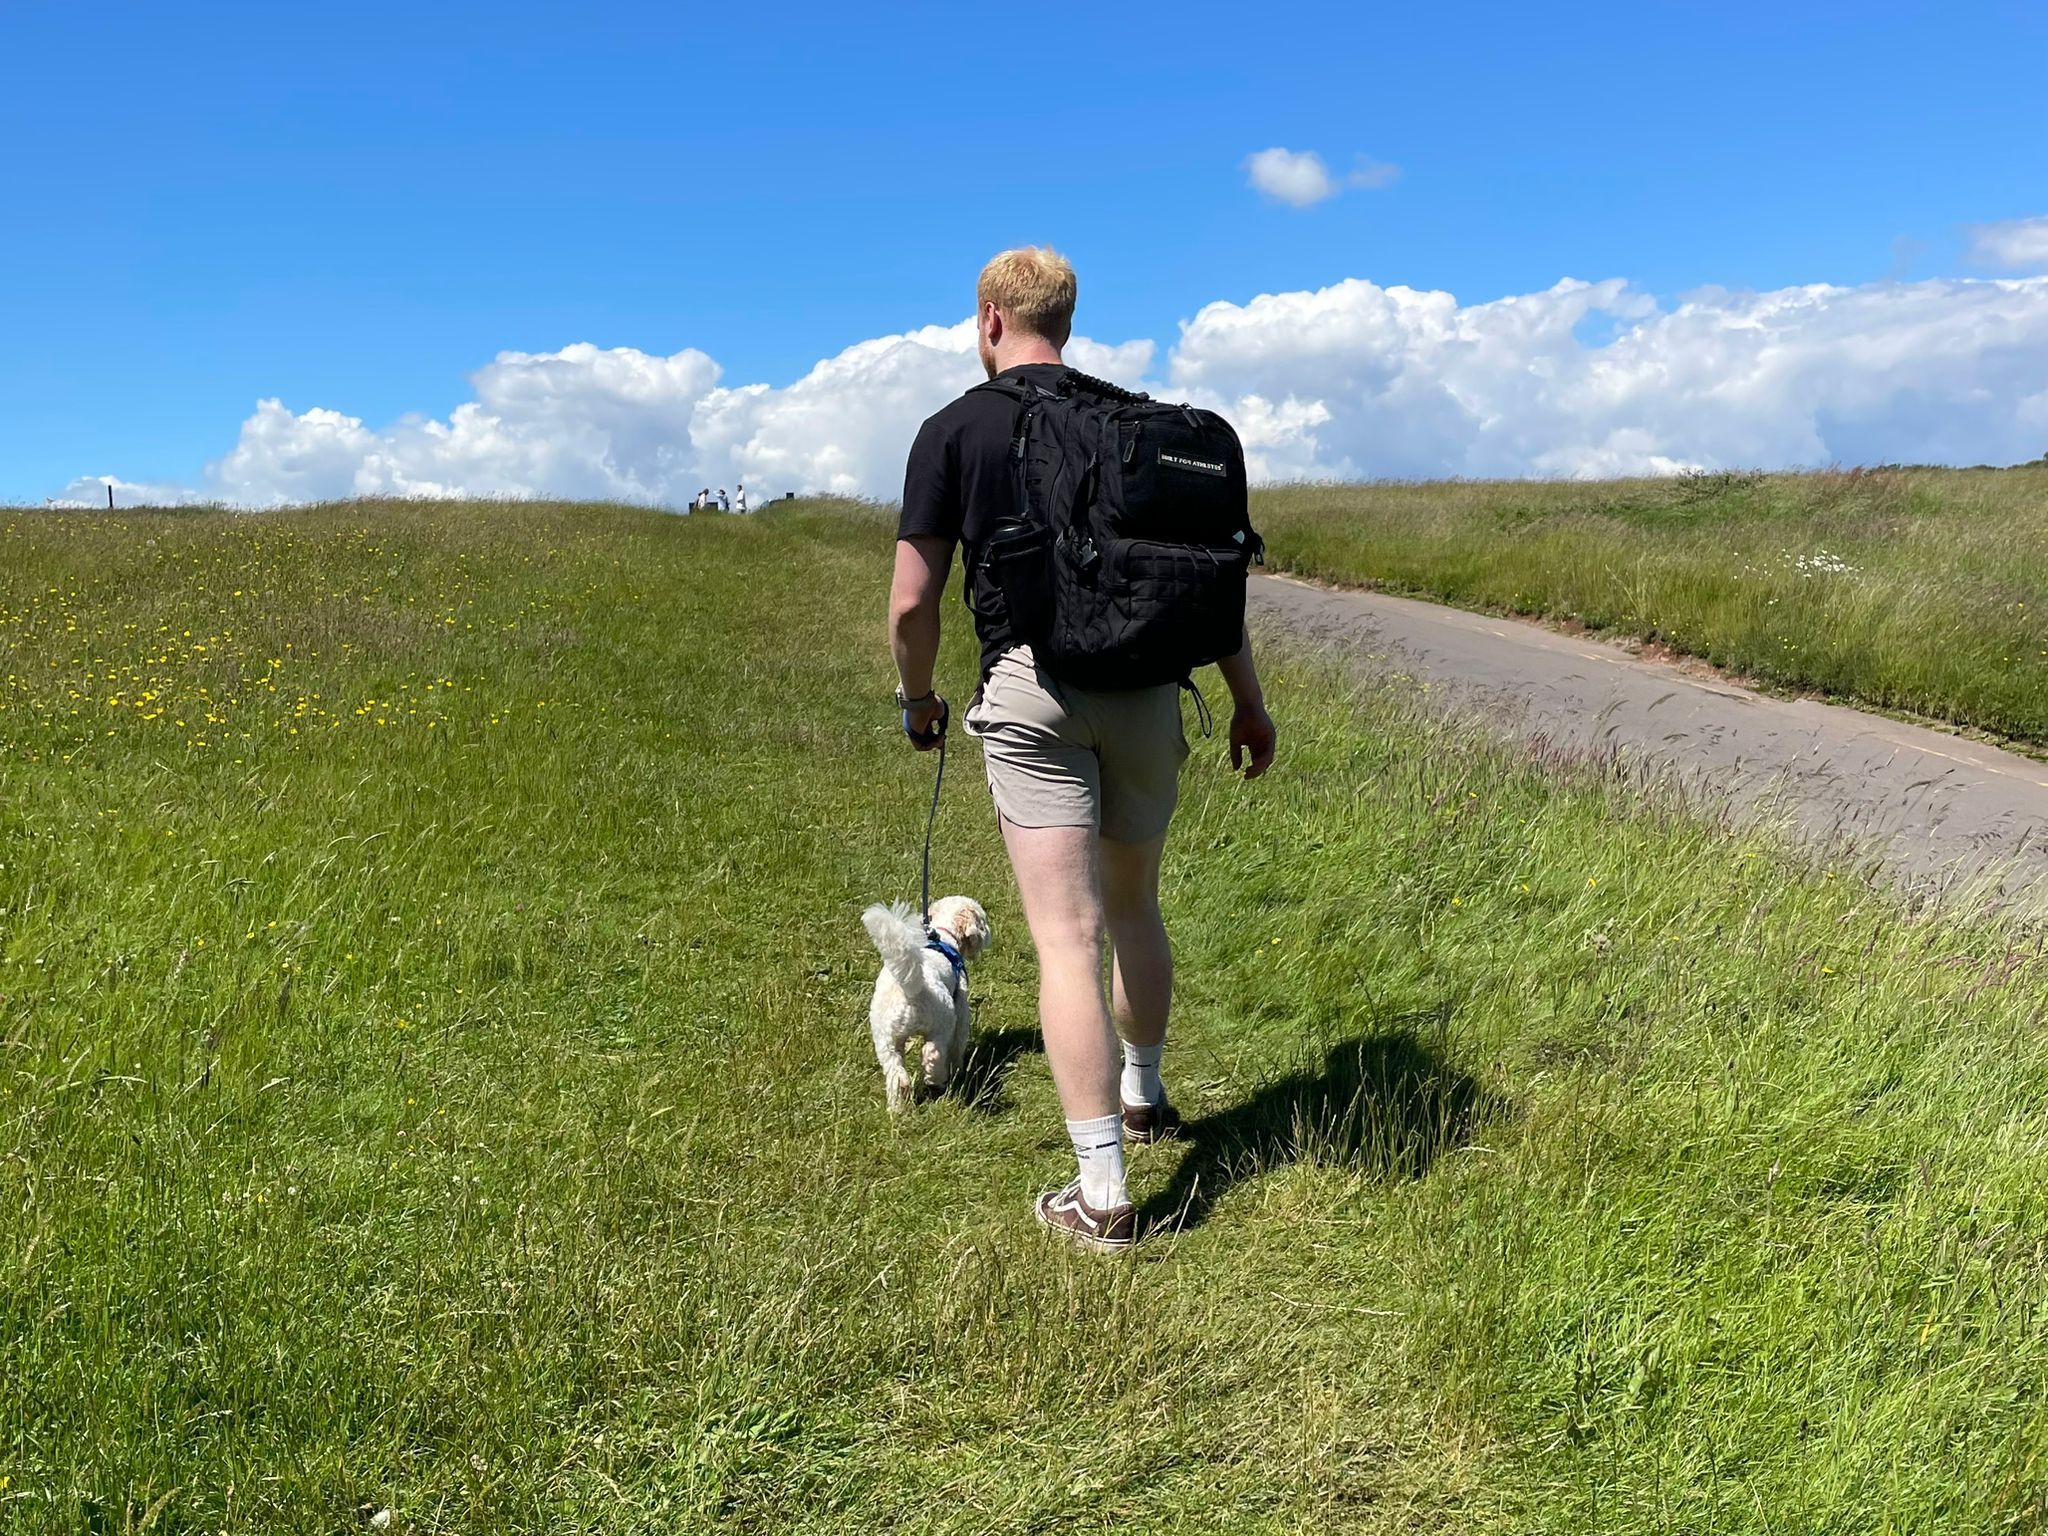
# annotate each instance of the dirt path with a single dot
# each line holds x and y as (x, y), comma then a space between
(1941, 811)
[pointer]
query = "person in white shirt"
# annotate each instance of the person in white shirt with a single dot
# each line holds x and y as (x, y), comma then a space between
(739, 497)
(724, 502)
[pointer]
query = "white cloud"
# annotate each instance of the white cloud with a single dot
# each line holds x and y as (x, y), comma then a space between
(1411, 383)
(1372, 174)
(622, 424)
(2015, 245)
(1346, 381)
(91, 491)
(1299, 178)
(1295, 177)
(844, 426)
(584, 421)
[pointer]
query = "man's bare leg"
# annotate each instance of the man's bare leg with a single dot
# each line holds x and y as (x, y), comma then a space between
(1141, 982)
(1142, 960)
(1060, 882)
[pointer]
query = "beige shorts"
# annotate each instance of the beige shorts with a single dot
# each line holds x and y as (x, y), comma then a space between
(1060, 756)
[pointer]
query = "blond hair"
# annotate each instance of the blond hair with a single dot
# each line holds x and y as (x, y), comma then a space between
(1034, 287)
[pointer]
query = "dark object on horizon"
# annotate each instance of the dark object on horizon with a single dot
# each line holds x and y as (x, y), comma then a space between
(786, 495)
(110, 498)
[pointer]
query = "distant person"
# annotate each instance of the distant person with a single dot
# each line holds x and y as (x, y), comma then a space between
(724, 504)
(1084, 780)
(739, 498)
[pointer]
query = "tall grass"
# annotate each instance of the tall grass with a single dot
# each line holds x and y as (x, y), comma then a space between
(1922, 590)
(433, 1080)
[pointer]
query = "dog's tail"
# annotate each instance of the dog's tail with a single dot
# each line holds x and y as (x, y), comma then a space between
(900, 938)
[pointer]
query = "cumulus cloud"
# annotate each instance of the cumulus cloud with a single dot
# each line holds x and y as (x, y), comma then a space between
(623, 424)
(1359, 380)
(1295, 177)
(2014, 245)
(584, 421)
(1299, 178)
(91, 491)
(844, 426)
(1352, 380)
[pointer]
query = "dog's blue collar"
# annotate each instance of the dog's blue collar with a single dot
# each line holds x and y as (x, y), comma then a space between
(952, 955)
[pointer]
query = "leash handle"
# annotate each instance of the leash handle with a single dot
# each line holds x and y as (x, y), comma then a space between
(935, 732)
(924, 906)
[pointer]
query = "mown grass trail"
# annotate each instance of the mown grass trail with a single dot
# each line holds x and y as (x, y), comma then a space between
(433, 1079)
(1922, 590)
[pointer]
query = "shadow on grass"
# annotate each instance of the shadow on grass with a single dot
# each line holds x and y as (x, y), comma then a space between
(981, 1080)
(1387, 1104)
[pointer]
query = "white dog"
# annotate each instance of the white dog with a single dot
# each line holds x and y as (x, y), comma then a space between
(922, 992)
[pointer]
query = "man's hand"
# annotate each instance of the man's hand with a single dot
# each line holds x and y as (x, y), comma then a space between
(1252, 737)
(919, 720)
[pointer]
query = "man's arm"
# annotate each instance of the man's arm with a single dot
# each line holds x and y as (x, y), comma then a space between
(1251, 728)
(914, 593)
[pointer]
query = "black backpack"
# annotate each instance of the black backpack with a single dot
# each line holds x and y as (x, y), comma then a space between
(1129, 567)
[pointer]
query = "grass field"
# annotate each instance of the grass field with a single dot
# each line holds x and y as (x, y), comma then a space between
(434, 1079)
(1923, 591)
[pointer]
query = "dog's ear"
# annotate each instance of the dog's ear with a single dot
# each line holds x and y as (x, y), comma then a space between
(964, 919)
(974, 926)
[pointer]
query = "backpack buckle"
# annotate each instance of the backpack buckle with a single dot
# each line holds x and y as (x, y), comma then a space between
(1022, 436)
(1081, 553)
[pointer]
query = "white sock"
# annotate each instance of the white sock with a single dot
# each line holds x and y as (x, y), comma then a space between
(1099, 1149)
(1141, 1083)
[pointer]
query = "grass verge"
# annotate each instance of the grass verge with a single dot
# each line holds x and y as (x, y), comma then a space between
(1918, 591)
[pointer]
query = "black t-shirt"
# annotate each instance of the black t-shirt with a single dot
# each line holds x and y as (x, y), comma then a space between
(960, 484)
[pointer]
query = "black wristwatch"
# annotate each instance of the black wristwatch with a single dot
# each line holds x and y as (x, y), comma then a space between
(917, 703)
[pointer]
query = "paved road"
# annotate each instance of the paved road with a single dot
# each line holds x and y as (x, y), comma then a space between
(1944, 813)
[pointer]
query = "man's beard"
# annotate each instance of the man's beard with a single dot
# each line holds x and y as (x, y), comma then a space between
(988, 353)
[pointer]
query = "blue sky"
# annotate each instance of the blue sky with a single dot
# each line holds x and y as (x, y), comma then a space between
(357, 208)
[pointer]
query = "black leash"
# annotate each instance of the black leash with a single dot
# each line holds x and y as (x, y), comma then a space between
(924, 905)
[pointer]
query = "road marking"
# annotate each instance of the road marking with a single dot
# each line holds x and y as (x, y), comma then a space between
(1970, 762)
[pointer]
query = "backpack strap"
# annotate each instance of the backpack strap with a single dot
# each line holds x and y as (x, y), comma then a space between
(1026, 394)
(1014, 388)
(1089, 384)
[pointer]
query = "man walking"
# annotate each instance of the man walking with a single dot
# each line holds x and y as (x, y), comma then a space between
(1084, 781)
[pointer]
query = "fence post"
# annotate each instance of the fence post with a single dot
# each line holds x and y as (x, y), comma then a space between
(110, 498)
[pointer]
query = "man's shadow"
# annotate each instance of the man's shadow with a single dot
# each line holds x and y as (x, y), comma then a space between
(980, 1081)
(1388, 1104)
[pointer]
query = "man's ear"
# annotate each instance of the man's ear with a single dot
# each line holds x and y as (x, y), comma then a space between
(991, 323)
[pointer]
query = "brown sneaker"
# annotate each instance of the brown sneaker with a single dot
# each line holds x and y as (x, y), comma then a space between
(1147, 1123)
(1105, 1231)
